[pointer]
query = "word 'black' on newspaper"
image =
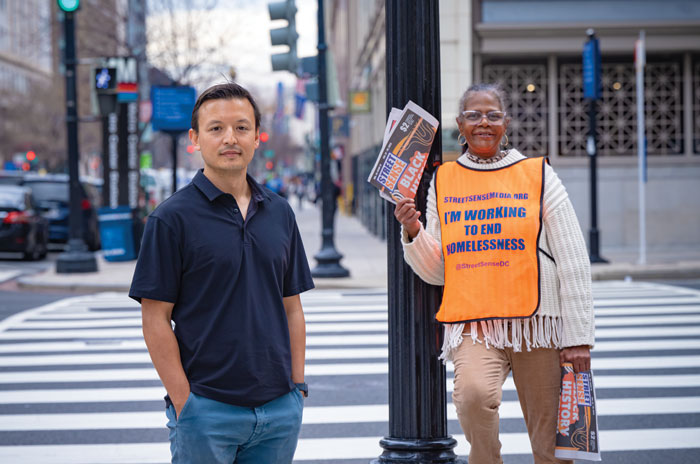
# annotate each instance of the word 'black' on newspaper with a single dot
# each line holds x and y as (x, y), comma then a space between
(408, 136)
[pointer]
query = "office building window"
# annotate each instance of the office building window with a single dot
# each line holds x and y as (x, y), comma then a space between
(526, 88)
(617, 114)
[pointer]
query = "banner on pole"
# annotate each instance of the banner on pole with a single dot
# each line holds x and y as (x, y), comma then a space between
(591, 69)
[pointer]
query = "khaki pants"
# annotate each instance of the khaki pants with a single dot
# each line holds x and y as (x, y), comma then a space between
(478, 385)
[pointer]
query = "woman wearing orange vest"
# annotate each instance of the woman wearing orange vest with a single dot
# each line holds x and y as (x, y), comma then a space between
(502, 237)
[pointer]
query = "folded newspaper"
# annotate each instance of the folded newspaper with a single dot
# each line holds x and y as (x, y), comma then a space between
(408, 136)
(577, 425)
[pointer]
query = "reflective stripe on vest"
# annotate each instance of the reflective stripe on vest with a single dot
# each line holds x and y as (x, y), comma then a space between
(490, 221)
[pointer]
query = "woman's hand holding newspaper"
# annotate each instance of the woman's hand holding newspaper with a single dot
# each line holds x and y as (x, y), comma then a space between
(579, 356)
(406, 213)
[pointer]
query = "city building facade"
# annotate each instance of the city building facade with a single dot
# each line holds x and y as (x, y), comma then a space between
(32, 83)
(533, 48)
(25, 46)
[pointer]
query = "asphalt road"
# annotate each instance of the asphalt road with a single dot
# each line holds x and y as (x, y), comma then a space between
(83, 359)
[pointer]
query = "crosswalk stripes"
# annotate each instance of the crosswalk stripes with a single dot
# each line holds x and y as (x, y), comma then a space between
(77, 386)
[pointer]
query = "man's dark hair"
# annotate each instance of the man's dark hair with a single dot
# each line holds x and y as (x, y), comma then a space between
(227, 91)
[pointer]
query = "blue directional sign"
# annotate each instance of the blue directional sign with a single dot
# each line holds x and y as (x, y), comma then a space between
(172, 108)
(591, 69)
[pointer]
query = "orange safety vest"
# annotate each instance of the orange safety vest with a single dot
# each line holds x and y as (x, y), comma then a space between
(490, 221)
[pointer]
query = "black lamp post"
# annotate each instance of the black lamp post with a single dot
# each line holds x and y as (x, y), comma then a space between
(76, 258)
(328, 258)
(417, 412)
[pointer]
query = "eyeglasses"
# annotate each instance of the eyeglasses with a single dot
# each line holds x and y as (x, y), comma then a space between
(494, 117)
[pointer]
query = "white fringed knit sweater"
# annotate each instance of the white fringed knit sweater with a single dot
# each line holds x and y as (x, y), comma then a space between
(565, 315)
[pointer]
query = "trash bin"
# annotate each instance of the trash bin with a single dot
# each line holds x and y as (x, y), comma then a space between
(117, 233)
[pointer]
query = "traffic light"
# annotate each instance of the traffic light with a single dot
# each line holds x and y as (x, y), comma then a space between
(284, 36)
(264, 137)
(31, 156)
(68, 5)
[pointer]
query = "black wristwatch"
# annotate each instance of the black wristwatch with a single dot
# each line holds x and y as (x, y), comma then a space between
(303, 388)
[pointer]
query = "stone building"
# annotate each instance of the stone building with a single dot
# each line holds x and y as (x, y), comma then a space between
(32, 83)
(533, 48)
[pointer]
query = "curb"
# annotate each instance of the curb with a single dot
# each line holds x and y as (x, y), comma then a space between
(599, 272)
(83, 287)
(649, 271)
(34, 283)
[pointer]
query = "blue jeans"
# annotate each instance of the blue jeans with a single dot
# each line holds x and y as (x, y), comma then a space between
(211, 432)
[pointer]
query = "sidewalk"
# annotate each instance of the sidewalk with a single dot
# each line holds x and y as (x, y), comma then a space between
(365, 256)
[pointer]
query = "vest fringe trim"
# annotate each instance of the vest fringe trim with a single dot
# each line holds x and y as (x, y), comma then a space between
(538, 331)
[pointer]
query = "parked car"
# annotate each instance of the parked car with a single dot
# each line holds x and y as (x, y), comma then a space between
(22, 229)
(11, 177)
(51, 192)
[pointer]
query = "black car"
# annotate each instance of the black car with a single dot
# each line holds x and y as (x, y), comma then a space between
(51, 192)
(22, 229)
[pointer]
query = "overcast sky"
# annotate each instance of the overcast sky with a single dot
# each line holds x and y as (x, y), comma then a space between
(249, 49)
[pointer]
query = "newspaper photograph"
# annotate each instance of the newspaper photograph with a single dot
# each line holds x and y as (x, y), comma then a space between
(577, 424)
(407, 141)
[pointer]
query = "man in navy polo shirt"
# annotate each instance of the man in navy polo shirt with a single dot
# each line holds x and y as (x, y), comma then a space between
(222, 259)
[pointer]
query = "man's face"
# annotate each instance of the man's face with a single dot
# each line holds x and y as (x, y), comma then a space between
(227, 135)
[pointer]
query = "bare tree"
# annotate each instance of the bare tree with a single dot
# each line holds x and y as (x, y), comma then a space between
(181, 41)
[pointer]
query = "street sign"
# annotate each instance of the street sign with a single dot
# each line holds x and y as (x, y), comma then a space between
(172, 108)
(591, 69)
(340, 126)
(360, 101)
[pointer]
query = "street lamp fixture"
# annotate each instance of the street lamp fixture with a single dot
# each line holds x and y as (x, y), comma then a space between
(76, 258)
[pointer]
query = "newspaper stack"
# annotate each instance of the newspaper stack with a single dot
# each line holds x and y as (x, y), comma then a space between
(408, 136)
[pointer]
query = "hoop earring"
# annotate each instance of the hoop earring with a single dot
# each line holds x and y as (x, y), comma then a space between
(505, 144)
(463, 137)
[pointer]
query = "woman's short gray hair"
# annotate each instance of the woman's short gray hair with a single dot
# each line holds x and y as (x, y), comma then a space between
(495, 89)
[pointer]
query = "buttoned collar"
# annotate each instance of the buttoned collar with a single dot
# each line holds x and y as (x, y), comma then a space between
(212, 192)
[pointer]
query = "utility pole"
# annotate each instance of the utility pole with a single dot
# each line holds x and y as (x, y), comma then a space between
(417, 397)
(640, 63)
(328, 258)
(174, 136)
(591, 92)
(76, 258)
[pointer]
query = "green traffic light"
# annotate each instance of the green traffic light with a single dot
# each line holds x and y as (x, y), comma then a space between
(68, 5)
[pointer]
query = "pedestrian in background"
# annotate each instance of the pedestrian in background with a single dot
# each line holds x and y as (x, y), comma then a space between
(222, 259)
(502, 237)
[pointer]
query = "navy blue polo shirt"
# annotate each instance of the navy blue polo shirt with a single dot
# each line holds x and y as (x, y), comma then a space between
(227, 278)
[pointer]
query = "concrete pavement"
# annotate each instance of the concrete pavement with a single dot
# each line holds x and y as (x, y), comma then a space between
(365, 256)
